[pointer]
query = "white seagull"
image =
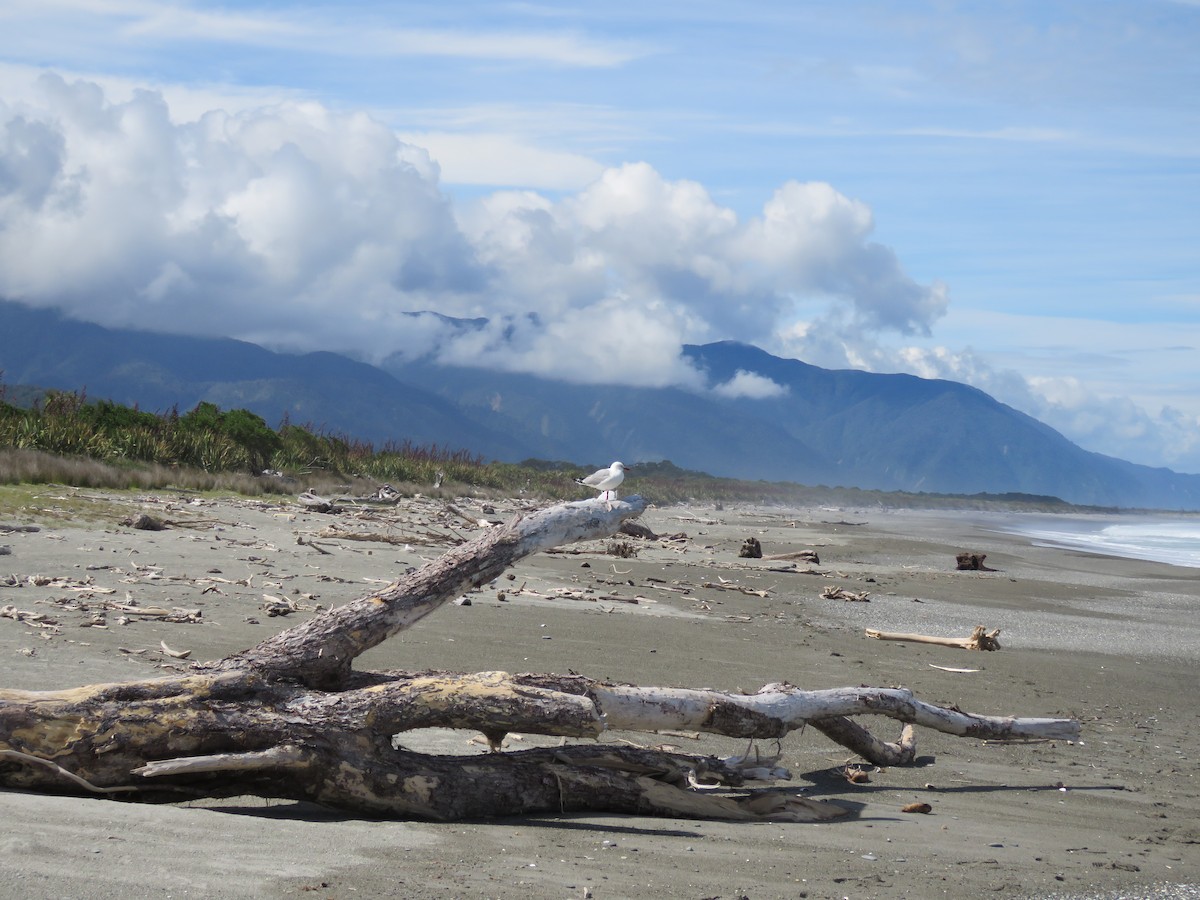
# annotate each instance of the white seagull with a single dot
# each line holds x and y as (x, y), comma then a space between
(605, 481)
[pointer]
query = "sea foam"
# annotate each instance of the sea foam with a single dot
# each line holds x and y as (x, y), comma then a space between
(1169, 540)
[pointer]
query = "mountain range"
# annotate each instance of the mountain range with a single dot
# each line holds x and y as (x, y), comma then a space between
(815, 426)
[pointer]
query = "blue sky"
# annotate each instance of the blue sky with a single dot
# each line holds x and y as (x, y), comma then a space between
(1002, 193)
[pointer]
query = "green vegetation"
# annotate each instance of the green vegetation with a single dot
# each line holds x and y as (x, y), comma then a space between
(63, 438)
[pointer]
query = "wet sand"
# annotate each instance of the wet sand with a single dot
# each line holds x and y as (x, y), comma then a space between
(1113, 642)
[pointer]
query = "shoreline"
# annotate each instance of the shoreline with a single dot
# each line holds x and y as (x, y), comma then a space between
(1111, 641)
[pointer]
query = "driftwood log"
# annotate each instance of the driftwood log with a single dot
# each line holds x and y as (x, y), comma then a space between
(979, 639)
(290, 718)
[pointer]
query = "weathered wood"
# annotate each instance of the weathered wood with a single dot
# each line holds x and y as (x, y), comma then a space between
(968, 561)
(979, 639)
(314, 503)
(144, 522)
(832, 592)
(751, 549)
(637, 530)
(806, 555)
(290, 718)
(320, 651)
(287, 740)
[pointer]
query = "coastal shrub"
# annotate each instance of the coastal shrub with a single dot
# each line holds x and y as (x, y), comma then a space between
(113, 418)
(241, 428)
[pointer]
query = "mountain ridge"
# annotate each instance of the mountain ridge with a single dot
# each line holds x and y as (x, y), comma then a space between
(815, 426)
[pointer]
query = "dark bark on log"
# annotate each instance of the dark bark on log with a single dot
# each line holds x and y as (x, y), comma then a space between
(637, 530)
(289, 718)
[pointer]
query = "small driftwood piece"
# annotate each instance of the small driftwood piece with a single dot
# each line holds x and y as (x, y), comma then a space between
(144, 522)
(385, 493)
(381, 537)
(290, 718)
(806, 555)
(980, 639)
(175, 654)
(832, 592)
(314, 503)
(737, 588)
(637, 530)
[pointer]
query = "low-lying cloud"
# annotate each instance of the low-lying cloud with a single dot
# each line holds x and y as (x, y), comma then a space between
(749, 385)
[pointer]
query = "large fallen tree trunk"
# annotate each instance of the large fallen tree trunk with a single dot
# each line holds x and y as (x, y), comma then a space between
(290, 718)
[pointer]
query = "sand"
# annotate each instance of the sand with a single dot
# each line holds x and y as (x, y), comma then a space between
(1112, 642)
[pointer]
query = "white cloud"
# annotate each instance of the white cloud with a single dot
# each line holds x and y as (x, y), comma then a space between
(813, 238)
(186, 102)
(612, 340)
(562, 48)
(505, 159)
(96, 28)
(297, 226)
(751, 386)
(1116, 424)
(294, 224)
(1106, 398)
(1112, 423)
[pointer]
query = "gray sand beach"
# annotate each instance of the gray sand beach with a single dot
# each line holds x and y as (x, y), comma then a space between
(1113, 642)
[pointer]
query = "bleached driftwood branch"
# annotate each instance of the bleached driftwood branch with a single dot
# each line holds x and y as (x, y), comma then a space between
(290, 718)
(979, 639)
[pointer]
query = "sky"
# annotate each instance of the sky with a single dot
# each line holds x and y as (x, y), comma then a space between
(1005, 194)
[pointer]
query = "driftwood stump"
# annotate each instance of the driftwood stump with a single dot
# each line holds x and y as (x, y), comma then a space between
(290, 718)
(751, 549)
(971, 562)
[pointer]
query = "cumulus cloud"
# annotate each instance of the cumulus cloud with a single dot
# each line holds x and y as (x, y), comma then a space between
(302, 228)
(749, 385)
(490, 159)
(610, 341)
(812, 237)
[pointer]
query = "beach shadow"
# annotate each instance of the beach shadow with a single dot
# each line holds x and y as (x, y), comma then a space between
(303, 811)
(832, 781)
(1038, 788)
(586, 823)
(295, 811)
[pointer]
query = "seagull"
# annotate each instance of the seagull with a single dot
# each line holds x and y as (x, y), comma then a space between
(605, 480)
